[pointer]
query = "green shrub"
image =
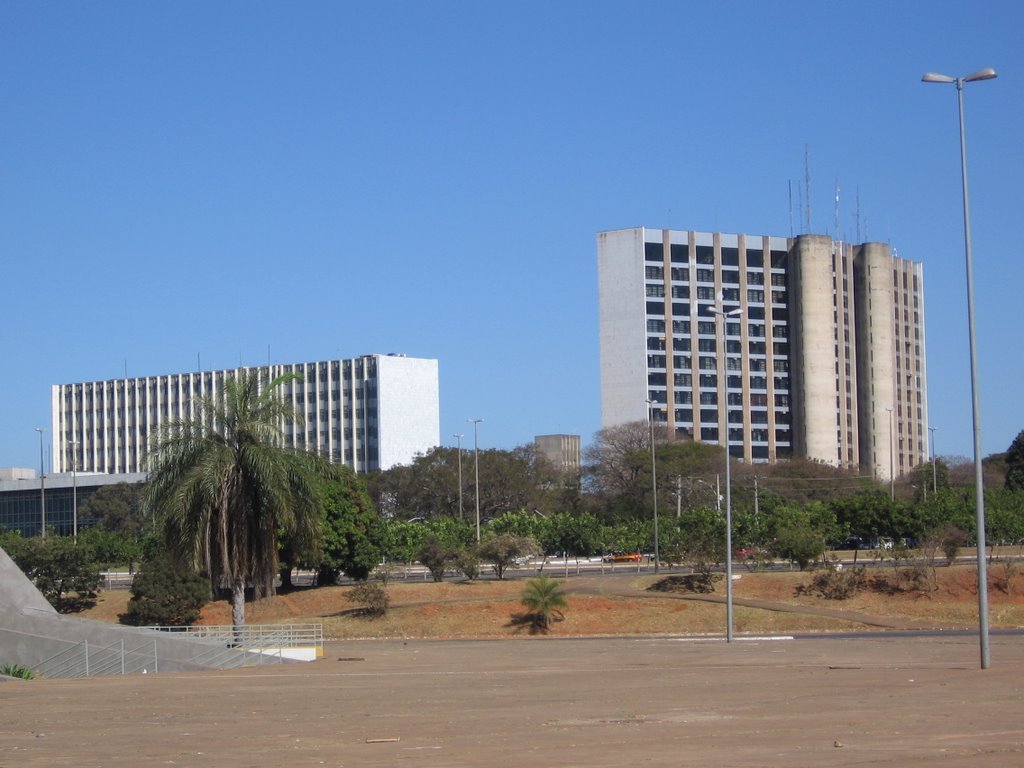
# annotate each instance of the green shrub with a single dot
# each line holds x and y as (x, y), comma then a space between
(468, 563)
(543, 598)
(165, 593)
(18, 670)
(435, 556)
(372, 597)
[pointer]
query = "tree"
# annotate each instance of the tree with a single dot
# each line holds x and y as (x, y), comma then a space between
(700, 540)
(1014, 462)
(543, 597)
(110, 549)
(428, 487)
(502, 550)
(799, 533)
(614, 459)
(116, 508)
(352, 534)
(164, 592)
(224, 486)
(436, 557)
(65, 573)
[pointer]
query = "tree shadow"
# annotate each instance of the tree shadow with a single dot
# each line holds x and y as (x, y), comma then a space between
(532, 623)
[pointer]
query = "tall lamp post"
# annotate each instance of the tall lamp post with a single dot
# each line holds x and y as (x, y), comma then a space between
(476, 466)
(458, 437)
(74, 488)
(935, 477)
(654, 482)
(892, 469)
(979, 488)
(42, 487)
(720, 313)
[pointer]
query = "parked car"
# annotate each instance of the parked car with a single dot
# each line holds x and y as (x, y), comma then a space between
(746, 553)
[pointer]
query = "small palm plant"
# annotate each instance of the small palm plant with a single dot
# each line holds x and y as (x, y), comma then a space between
(543, 597)
(18, 670)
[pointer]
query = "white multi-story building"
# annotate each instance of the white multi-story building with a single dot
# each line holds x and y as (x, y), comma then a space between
(824, 345)
(370, 413)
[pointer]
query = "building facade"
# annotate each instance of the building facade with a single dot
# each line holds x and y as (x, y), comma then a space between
(824, 347)
(562, 452)
(22, 494)
(369, 413)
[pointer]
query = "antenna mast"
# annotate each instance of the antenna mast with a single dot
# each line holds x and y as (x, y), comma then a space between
(790, 207)
(856, 216)
(807, 182)
(836, 233)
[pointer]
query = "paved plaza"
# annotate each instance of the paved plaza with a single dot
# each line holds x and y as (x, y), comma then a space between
(887, 700)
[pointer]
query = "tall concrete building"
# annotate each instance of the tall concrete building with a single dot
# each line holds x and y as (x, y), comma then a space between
(824, 358)
(562, 452)
(370, 413)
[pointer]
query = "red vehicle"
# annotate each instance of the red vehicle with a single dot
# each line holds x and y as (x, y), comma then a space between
(746, 553)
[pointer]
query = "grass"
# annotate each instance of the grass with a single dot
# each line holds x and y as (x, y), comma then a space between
(619, 605)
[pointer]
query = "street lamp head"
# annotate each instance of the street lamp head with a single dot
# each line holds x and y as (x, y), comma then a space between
(982, 74)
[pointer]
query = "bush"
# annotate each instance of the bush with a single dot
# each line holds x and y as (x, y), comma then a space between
(835, 583)
(799, 544)
(64, 572)
(372, 597)
(503, 550)
(700, 583)
(543, 598)
(165, 593)
(17, 670)
(468, 563)
(953, 539)
(435, 557)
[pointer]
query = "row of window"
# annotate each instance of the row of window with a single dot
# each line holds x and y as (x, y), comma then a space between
(705, 254)
(729, 277)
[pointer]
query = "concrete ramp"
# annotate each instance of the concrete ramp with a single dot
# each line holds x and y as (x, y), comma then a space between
(34, 635)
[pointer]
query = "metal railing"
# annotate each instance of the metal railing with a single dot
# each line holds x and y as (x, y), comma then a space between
(263, 639)
(217, 647)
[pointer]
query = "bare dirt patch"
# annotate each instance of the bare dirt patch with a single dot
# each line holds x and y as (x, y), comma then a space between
(620, 604)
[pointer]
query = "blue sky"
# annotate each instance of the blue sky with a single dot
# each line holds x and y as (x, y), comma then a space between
(220, 181)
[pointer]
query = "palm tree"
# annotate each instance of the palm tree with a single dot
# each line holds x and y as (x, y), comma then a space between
(542, 598)
(225, 487)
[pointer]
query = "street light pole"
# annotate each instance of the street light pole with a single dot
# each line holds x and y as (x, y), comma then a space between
(720, 313)
(892, 471)
(476, 465)
(458, 437)
(74, 488)
(42, 487)
(979, 486)
(654, 482)
(935, 481)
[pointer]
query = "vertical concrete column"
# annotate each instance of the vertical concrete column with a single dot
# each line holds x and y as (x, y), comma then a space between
(876, 357)
(813, 378)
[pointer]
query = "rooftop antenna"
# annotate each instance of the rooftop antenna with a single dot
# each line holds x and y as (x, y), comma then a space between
(199, 363)
(800, 207)
(856, 216)
(126, 367)
(836, 235)
(790, 207)
(807, 181)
